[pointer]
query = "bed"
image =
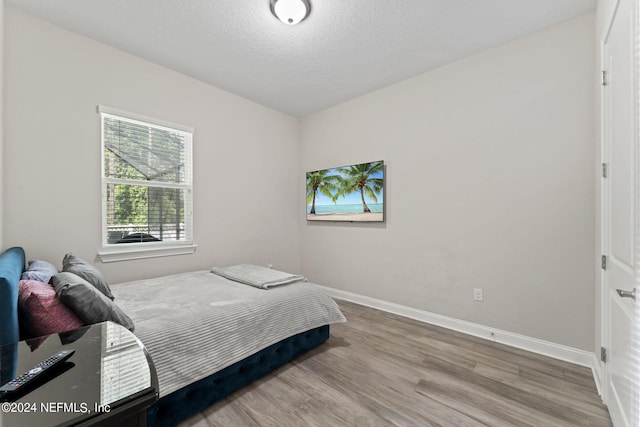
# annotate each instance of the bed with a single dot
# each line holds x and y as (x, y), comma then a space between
(207, 335)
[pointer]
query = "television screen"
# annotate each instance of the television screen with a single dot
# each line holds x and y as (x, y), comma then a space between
(352, 193)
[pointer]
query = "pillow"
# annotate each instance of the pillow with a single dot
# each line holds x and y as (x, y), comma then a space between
(41, 312)
(88, 272)
(87, 302)
(34, 343)
(40, 271)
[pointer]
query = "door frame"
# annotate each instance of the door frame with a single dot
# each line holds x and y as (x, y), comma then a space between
(604, 372)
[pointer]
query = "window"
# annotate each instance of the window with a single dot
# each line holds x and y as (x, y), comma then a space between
(147, 187)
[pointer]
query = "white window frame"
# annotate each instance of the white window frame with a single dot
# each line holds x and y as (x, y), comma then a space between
(129, 251)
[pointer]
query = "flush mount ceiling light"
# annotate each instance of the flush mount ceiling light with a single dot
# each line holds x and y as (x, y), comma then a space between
(291, 12)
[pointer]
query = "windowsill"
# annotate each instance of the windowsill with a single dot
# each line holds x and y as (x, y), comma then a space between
(130, 251)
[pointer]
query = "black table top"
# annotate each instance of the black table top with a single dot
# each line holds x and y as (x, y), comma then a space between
(110, 368)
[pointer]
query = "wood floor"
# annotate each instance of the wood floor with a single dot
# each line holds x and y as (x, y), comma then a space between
(379, 369)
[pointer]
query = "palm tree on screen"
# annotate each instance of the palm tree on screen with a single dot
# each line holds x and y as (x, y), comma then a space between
(363, 178)
(321, 181)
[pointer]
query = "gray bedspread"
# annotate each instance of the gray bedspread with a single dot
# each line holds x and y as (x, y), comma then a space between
(195, 324)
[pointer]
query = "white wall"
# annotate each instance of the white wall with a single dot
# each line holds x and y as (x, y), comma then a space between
(490, 165)
(245, 155)
(2, 167)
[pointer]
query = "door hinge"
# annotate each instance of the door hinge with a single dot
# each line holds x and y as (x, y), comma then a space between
(603, 354)
(604, 78)
(604, 262)
(605, 170)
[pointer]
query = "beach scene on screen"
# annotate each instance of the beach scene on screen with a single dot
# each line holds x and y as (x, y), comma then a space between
(349, 193)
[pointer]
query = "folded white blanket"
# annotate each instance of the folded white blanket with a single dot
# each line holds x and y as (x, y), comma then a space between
(257, 276)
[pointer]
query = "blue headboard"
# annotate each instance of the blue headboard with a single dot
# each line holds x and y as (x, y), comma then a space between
(11, 266)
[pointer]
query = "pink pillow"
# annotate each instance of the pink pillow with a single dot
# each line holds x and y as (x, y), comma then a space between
(41, 312)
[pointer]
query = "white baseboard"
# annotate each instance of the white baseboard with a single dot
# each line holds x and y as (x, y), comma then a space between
(546, 348)
(597, 373)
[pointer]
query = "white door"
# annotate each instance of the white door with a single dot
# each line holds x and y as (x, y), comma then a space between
(619, 215)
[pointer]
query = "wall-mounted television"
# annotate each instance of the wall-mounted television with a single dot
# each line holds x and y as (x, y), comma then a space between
(353, 193)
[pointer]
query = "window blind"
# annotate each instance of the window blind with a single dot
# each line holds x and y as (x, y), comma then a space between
(147, 181)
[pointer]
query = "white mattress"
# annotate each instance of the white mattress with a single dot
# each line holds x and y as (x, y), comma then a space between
(195, 324)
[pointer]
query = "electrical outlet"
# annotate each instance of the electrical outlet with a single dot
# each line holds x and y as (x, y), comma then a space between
(477, 294)
(269, 265)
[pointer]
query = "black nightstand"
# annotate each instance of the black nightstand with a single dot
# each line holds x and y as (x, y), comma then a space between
(109, 381)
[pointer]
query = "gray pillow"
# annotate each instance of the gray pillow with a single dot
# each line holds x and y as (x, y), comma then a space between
(87, 302)
(88, 272)
(40, 271)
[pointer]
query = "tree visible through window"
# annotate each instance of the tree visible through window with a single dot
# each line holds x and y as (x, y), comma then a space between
(147, 180)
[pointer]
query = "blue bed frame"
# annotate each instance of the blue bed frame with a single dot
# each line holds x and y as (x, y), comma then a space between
(11, 267)
(195, 397)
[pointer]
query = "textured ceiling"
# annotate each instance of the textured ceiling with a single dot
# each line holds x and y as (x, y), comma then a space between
(345, 48)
